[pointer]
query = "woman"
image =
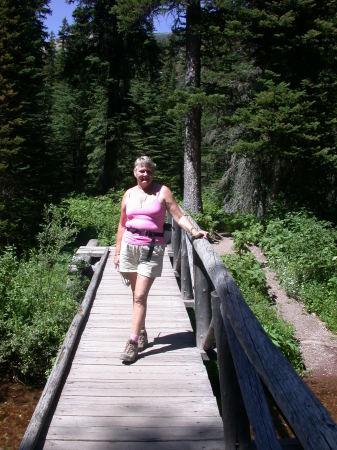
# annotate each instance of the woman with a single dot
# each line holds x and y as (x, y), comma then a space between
(140, 243)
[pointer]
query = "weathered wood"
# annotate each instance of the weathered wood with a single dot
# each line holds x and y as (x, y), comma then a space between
(139, 421)
(251, 391)
(234, 417)
(144, 388)
(126, 406)
(55, 379)
(127, 433)
(186, 283)
(175, 242)
(148, 445)
(202, 300)
(308, 418)
(210, 337)
(177, 263)
(190, 257)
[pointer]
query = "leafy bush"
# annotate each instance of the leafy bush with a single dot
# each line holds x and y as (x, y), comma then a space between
(251, 281)
(98, 215)
(36, 308)
(211, 219)
(302, 250)
(250, 233)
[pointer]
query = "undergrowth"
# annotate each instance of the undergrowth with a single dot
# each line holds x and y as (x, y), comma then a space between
(251, 281)
(302, 251)
(36, 307)
(98, 216)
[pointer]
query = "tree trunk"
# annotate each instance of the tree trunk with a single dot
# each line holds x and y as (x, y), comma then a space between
(192, 156)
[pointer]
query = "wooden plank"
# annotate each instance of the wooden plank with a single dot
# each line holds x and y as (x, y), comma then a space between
(139, 421)
(150, 445)
(133, 372)
(144, 388)
(109, 357)
(118, 344)
(127, 433)
(131, 406)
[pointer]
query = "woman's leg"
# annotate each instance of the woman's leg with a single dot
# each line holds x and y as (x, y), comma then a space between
(140, 286)
(140, 293)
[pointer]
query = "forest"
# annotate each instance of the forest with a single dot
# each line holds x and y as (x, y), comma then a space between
(237, 106)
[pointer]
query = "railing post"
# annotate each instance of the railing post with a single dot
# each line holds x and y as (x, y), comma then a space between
(175, 241)
(186, 283)
(234, 417)
(202, 300)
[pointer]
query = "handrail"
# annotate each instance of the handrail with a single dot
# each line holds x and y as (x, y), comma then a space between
(56, 377)
(241, 339)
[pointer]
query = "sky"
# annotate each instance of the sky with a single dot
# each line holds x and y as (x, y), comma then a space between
(60, 10)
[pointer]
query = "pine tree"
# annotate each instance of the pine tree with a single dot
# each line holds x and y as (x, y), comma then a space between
(22, 130)
(274, 92)
(191, 12)
(99, 61)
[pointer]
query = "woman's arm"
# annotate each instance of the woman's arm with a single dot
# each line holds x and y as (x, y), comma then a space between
(182, 220)
(120, 231)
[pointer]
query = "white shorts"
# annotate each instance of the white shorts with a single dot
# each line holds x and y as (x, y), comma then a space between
(132, 258)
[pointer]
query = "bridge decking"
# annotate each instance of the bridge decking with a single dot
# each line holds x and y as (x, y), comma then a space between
(162, 401)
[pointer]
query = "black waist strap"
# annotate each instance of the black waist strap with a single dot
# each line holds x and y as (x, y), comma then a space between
(151, 234)
(144, 232)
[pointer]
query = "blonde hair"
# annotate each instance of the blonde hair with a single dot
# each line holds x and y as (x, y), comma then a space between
(145, 161)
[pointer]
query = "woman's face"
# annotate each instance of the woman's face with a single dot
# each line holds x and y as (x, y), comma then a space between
(143, 175)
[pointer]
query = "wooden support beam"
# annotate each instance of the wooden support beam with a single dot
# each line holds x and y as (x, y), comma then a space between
(251, 390)
(186, 282)
(202, 299)
(234, 417)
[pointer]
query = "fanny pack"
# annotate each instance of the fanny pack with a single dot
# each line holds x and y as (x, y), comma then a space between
(148, 233)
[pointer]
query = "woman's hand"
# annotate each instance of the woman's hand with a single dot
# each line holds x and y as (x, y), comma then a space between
(116, 260)
(199, 233)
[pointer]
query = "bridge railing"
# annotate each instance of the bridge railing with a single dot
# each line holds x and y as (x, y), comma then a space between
(249, 363)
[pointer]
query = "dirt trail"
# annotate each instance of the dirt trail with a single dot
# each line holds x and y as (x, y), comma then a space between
(318, 345)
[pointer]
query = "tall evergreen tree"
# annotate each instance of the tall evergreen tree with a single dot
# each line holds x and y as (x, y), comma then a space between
(283, 118)
(99, 60)
(22, 129)
(191, 13)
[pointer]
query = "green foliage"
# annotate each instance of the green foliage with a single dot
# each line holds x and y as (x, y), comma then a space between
(56, 233)
(249, 233)
(36, 307)
(23, 166)
(250, 279)
(302, 250)
(97, 215)
(212, 218)
(268, 102)
(278, 120)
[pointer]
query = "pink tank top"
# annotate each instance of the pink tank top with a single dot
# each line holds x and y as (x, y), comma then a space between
(150, 217)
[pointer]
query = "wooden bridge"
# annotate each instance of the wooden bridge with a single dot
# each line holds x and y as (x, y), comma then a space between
(164, 400)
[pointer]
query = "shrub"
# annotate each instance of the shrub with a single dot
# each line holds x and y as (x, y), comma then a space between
(97, 215)
(211, 219)
(36, 308)
(250, 279)
(302, 250)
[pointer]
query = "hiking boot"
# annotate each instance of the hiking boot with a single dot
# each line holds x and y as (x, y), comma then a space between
(142, 340)
(130, 352)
